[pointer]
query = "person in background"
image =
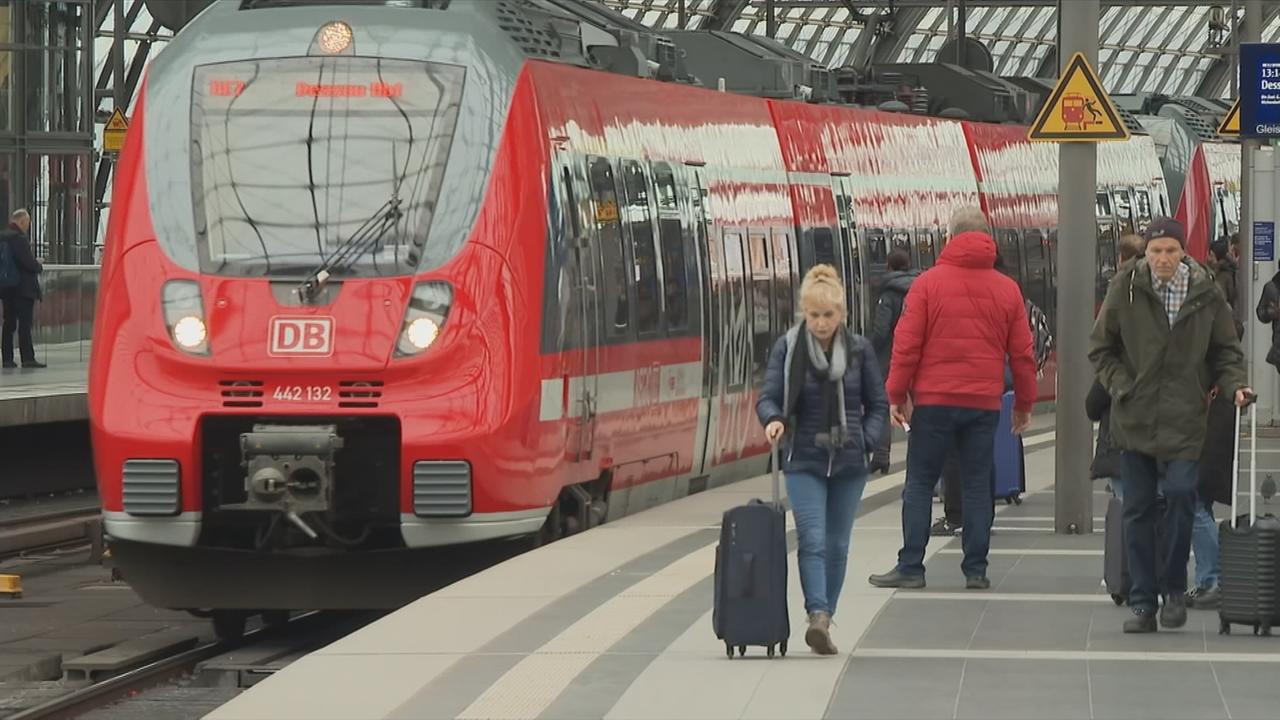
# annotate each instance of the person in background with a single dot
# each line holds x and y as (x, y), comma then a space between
(1225, 262)
(893, 294)
(1106, 458)
(1215, 458)
(1164, 334)
(962, 318)
(20, 300)
(823, 394)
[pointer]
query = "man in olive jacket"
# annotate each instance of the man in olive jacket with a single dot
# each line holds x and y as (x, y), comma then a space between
(1163, 338)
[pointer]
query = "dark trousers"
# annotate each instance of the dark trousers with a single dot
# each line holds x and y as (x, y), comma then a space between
(1142, 512)
(19, 315)
(952, 484)
(934, 428)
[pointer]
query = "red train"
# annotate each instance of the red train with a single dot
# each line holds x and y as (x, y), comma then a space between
(379, 280)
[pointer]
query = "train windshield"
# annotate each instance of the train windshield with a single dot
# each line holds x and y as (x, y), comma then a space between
(292, 156)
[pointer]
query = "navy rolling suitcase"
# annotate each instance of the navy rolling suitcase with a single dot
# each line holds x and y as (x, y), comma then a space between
(1011, 477)
(751, 575)
(1249, 551)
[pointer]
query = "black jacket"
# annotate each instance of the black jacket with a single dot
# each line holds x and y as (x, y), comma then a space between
(1106, 457)
(893, 295)
(1268, 311)
(29, 268)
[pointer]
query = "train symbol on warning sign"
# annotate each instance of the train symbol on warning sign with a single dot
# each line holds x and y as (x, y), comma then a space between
(1075, 107)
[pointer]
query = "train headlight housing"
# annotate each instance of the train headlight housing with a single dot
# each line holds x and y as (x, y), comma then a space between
(184, 316)
(423, 320)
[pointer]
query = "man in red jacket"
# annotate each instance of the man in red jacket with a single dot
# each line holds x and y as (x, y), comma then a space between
(963, 318)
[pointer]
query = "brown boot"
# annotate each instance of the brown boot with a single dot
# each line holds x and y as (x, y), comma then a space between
(818, 636)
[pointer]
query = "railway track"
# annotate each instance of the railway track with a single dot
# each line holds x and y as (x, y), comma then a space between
(259, 653)
(40, 531)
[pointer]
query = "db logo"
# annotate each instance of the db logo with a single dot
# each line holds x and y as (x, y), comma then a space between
(301, 336)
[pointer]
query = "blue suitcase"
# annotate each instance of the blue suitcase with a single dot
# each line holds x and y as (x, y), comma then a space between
(750, 603)
(1010, 470)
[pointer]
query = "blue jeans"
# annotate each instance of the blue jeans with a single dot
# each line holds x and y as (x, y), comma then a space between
(824, 509)
(1204, 543)
(933, 430)
(1141, 484)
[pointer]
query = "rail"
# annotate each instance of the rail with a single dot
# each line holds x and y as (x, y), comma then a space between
(121, 687)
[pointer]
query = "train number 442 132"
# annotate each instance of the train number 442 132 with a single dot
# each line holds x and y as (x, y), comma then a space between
(303, 393)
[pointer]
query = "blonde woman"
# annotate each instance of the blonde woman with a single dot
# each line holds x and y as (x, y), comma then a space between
(823, 396)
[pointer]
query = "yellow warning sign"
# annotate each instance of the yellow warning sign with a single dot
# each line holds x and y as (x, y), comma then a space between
(1078, 109)
(113, 134)
(1231, 123)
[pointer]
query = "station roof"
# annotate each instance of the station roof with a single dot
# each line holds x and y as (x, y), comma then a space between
(1175, 47)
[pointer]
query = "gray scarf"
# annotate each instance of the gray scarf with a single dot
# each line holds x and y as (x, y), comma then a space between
(833, 372)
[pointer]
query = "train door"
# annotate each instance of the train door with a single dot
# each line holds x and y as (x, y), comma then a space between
(710, 279)
(851, 254)
(582, 320)
(734, 409)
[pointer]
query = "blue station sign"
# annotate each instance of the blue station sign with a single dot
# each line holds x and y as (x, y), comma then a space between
(1260, 90)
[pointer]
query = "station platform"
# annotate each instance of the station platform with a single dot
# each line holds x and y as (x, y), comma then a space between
(58, 393)
(616, 623)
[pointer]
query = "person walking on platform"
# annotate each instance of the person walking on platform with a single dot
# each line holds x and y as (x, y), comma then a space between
(893, 294)
(823, 391)
(962, 319)
(20, 297)
(1163, 338)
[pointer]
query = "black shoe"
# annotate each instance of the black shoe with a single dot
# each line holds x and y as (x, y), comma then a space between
(33, 364)
(1205, 598)
(9, 364)
(896, 579)
(977, 582)
(1141, 622)
(1174, 612)
(943, 527)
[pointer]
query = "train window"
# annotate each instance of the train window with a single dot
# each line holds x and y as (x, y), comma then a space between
(902, 239)
(784, 269)
(1033, 246)
(675, 280)
(824, 246)
(1124, 212)
(925, 248)
(1011, 252)
(877, 247)
(1102, 205)
(640, 222)
(279, 114)
(735, 317)
(1143, 201)
(617, 309)
(761, 302)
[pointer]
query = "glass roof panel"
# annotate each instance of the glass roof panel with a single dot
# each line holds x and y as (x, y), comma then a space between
(1160, 47)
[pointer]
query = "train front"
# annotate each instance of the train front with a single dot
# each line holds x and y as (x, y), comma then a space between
(305, 360)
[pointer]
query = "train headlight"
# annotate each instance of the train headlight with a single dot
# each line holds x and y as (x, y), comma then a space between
(190, 332)
(422, 332)
(184, 316)
(424, 318)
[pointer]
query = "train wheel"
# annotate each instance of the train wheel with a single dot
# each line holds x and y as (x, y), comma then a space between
(228, 625)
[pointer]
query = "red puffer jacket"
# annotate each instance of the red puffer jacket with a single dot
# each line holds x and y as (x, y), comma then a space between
(962, 318)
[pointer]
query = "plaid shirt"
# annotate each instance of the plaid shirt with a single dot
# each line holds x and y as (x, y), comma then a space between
(1173, 292)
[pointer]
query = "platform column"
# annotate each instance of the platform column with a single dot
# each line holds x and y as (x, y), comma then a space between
(1077, 250)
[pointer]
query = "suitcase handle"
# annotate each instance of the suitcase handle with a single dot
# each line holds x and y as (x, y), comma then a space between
(1253, 463)
(777, 470)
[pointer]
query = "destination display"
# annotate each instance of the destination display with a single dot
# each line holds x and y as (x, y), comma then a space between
(1260, 90)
